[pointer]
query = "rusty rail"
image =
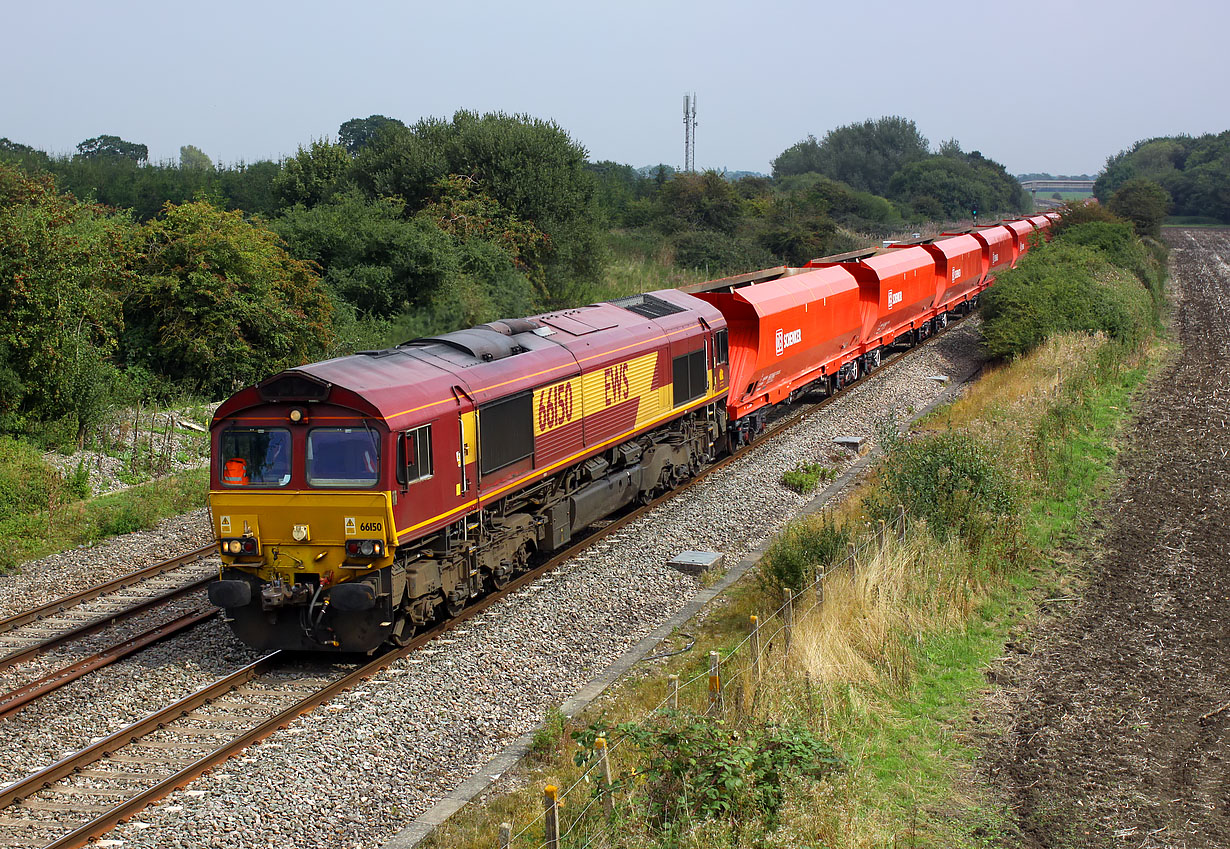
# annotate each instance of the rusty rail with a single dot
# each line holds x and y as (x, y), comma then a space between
(61, 604)
(18, 698)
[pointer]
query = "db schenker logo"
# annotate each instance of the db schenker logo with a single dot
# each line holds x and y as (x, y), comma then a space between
(786, 339)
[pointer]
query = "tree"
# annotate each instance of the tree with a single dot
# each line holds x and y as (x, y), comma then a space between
(529, 166)
(864, 156)
(954, 184)
(374, 257)
(191, 158)
(1144, 203)
(66, 266)
(29, 158)
(221, 302)
(358, 133)
(707, 201)
(313, 174)
(1195, 171)
(112, 147)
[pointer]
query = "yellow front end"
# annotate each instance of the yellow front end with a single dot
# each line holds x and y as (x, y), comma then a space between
(303, 533)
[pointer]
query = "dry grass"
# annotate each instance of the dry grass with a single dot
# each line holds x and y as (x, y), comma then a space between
(862, 632)
(1016, 394)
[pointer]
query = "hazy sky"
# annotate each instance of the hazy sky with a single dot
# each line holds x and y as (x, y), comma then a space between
(1049, 86)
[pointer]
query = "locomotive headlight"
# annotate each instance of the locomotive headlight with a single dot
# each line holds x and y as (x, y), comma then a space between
(300, 533)
(233, 546)
(367, 548)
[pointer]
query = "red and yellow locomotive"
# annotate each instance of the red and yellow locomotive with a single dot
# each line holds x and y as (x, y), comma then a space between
(358, 498)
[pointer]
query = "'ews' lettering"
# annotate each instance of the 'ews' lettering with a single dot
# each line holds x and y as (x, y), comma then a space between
(615, 384)
(555, 406)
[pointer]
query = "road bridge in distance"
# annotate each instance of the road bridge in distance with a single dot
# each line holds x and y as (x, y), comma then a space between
(1036, 186)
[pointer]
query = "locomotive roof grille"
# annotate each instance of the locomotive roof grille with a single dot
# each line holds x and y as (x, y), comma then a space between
(648, 306)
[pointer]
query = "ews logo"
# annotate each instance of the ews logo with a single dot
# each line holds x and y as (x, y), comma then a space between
(615, 385)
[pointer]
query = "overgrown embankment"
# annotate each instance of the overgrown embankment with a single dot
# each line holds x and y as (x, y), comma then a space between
(144, 471)
(852, 731)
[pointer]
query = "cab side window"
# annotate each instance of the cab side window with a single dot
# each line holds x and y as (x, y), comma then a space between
(414, 448)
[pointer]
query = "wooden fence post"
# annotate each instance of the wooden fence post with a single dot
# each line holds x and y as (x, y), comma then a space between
(604, 769)
(852, 556)
(880, 535)
(755, 620)
(550, 819)
(900, 523)
(505, 835)
(715, 681)
(788, 615)
(674, 689)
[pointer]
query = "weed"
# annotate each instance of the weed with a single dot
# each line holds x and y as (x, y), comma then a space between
(806, 478)
(806, 547)
(549, 737)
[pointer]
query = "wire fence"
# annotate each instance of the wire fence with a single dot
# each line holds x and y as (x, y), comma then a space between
(750, 656)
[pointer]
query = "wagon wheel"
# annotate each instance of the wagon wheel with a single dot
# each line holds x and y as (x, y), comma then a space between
(454, 608)
(942, 320)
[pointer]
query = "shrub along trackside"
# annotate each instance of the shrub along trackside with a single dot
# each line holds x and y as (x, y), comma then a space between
(850, 735)
(51, 517)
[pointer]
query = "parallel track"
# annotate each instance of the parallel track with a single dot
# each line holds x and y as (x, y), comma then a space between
(211, 711)
(60, 616)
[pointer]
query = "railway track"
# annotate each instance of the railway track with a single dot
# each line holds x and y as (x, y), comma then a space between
(73, 617)
(113, 779)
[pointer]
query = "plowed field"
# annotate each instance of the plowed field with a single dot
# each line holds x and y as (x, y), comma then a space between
(1111, 734)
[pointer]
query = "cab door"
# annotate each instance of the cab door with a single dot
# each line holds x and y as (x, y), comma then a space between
(467, 445)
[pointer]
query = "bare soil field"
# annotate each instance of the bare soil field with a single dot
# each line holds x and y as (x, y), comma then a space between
(1110, 728)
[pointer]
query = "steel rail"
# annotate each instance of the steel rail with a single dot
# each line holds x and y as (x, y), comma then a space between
(105, 621)
(19, 697)
(59, 605)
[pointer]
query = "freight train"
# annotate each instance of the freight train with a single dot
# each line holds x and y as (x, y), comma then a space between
(358, 499)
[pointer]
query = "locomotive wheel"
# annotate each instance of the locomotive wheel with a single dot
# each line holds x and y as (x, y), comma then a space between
(454, 608)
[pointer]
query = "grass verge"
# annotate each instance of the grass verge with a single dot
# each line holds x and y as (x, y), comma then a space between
(882, 673)
(64, 522)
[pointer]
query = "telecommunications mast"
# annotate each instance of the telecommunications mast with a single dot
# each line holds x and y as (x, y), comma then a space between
(689, 132)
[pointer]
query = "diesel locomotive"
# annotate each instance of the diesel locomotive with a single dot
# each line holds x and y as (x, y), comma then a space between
(358, 499)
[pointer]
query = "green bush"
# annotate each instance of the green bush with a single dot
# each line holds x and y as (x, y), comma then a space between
(950, 480)
(815, 542)
(719, 254)
(692, 768)
(1116, 241)
(1060, 288)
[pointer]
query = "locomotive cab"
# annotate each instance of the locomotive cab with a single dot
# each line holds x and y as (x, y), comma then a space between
(302, 511)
